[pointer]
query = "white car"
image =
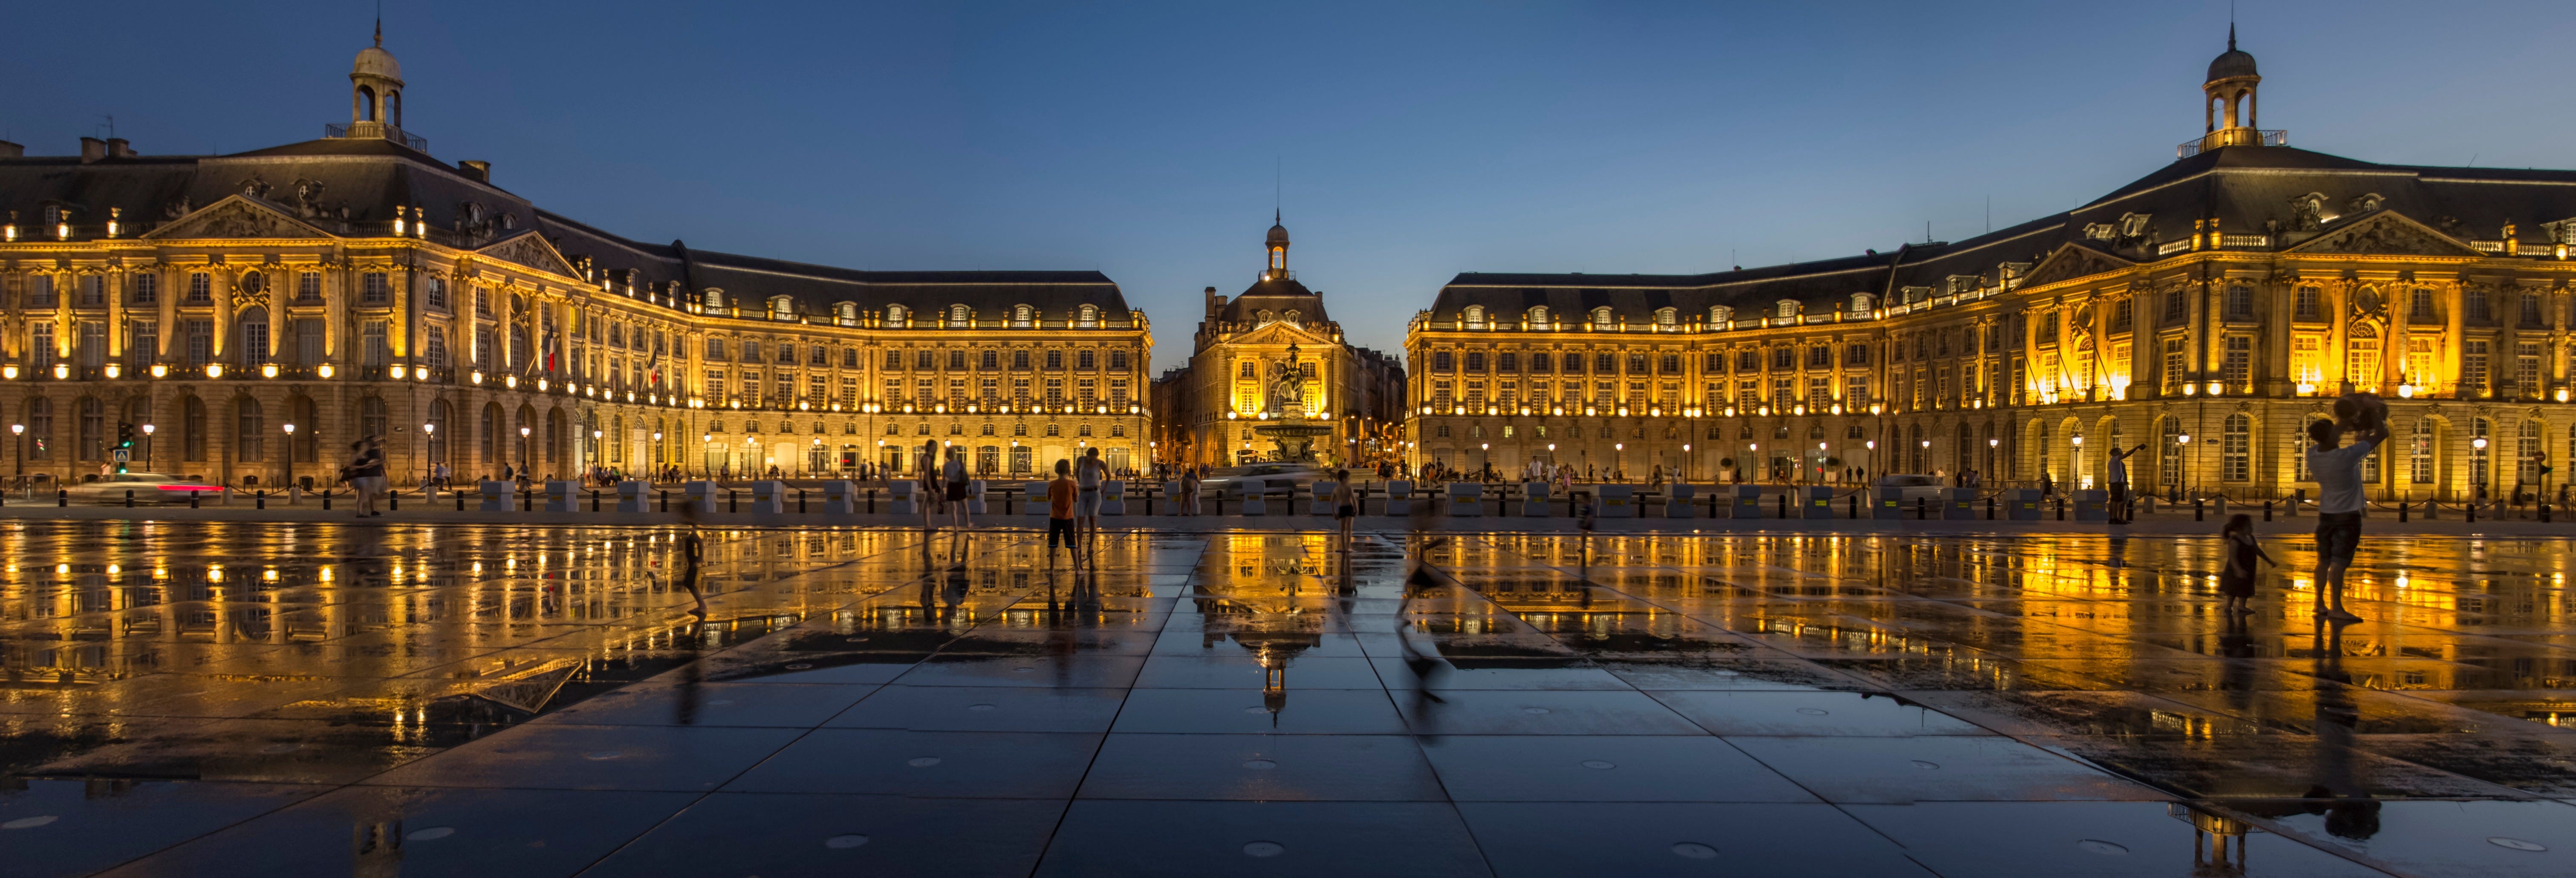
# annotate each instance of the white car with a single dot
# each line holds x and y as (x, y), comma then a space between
(1911, 487)
(1232, 481)
(147, 488)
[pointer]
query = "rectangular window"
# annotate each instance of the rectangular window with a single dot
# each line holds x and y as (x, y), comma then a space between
(2419, 304)
(817, 388)
(849, 393)
(1507, 362)
(715, 388)
(2473, 368)
(40, 291)
(1055, 391)
(1475, 394)
(144, 288)
(436, 342)
(2239, 364)
(437, 292)
(2308, 305)
(1440, 396)
(2177, 306)
(371, 338)
(1019, 391)
(750, 351)
(2531, 309)
(1783, 391)
(2526, 370)
(2176, 366)
(308, 286)
(716, 350)
(1117, 392)
(40, 345)
(1748, 394)
(371, 288)
(1856, 390)
(201, 287)
(91, 346)
(142, 343)
(2240, 303)
(2479, 308)
(2419, 361)
(254, 343)
(1475, 361)
(483, 346)
(1820, 390)
(308, 341)
(2306, 358)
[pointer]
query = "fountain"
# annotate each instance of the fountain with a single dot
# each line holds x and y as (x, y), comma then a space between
(1289, 430)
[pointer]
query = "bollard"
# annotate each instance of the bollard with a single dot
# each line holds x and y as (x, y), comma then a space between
(1990, 509)
(129, 500)
(460, 501)
(260, 497)
(527, 501)
(594, 499)
(1784, 505)
(1919, 507)
(872, 501)
(2199, 509)
(732, 500)
(2401, 512)
(2472, 507)
(62, 497)
(1852, 508)
(2267, 510)
(1220, 502)
(666, 500)
(192, 498)
(800, 501)
(1712, 504)
(2544, 512)
(2061, 509)
(393, 500)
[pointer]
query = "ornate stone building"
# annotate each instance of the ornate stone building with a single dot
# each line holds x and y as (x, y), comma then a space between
(1211, 412)
(355, 285)
(2206, 311)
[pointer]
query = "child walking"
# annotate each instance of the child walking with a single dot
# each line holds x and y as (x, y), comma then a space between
(2237, 581)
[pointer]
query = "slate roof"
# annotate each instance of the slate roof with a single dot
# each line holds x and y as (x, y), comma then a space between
(2247, 189)
(353, 186)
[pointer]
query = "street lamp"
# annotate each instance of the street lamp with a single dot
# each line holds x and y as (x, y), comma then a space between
(20, 431)
(595, 436)
(1991, 444)
(147, 447)
(2486, 468)
(290, 454)
(2184, 440)
(428, 467)
(523, 452)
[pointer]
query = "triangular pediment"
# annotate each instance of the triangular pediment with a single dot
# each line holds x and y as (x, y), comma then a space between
(1283, 332)
(530, 249)
(2072, 261)
(237, 216)
(2386, 233)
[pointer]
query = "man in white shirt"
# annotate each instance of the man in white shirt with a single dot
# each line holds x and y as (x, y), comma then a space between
(2339, 507)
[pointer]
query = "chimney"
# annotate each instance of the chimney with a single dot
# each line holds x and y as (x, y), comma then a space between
(1215, 303)
(12, 150)
(481, 171)
(118, 148)
(92, 149)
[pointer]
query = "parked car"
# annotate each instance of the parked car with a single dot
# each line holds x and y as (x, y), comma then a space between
(1911, 487)
(147, 488)
(1232, 481)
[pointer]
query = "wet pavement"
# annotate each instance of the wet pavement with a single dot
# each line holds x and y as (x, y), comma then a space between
(223, 698)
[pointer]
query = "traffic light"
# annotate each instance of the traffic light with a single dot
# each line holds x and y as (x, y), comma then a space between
(124, 434)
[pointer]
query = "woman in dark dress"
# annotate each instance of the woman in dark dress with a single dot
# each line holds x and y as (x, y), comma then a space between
(2237, 581)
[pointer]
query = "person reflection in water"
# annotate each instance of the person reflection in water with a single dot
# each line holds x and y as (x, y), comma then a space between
(2339, 794)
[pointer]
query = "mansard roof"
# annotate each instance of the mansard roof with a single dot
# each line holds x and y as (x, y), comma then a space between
(354, 186)
(1278, 296)
(2285, 195)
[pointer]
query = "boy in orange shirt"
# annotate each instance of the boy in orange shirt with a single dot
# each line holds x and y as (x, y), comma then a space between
(1060, 496)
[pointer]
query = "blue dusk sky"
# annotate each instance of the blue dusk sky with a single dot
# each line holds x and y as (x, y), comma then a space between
(1410, 141)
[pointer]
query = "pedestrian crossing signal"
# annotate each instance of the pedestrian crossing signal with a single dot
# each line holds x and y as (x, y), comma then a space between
(124, 434)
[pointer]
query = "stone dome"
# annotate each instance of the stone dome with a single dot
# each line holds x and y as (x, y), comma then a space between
(2234, 62)
(1278, 235)
(375, 61)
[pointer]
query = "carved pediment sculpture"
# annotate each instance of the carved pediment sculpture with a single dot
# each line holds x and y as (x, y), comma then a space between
(2072, 261)
(530, 249)
(2386, 234)
(236, 217)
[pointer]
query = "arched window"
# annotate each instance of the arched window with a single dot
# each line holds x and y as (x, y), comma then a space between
(959, 315)
(2236, 451)
(782, 308)
(1860, 303)
(1475, 317)
(1090, 315)
(1538, 315)
(393, 108)
(714, 298)
(1785, 308)
(366, 104)
(2528, 450)
(1718, 315)
(250, 426)
(2479, 428)
(90, 423)
(848, 313)
(2169, 452)
(897, 315)
(1600, 317)
(1263, 316)
(1021, 315)
(1294, 318)
(2419, 452)
(2361, 356)
(1667, 318)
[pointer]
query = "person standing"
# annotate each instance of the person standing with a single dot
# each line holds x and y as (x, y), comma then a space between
(955, 481)
(1061, 494)
(1189, 491)
(2120, 483)
(1346, 508)
(2339, 507)
(2236, 582)
(368, 474)
(1087, 474)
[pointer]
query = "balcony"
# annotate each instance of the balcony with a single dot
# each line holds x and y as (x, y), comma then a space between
(363, 130)
(2232, 137)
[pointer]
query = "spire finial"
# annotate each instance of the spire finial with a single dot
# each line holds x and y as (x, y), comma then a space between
(2231, 36)
(380, 24)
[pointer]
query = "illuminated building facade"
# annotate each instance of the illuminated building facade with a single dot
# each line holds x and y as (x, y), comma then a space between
(2207, 311)
(1211, 411)
(354, 285)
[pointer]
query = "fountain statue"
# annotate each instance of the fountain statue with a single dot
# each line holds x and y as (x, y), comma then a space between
(1284, 408)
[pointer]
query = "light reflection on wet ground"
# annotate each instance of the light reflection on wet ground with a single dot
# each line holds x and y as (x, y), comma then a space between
(210, 699)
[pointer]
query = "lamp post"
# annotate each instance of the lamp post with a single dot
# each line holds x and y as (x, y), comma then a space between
(2182, 484)
(428, 467)
(595, 436)
(1870, 446)
(2075, 461)
(20, 431)
(147, 447)
(523, 452)
(661, 457)
(1991, 444)
(2486, 468)
(1618, 454)
(290, 454)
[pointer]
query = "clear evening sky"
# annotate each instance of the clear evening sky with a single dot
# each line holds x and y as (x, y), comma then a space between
(1414, 140)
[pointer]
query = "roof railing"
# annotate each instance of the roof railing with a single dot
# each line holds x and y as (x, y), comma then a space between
(2232, 137)
(375, 129)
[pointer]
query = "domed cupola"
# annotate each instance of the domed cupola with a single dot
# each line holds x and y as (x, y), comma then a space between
(2228, 103)
(375, 92)
(1277, 244)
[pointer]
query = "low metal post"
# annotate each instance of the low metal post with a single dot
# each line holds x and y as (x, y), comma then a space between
(326, 499)
(2267, 510)
(594, 499)
(460, 500)
(800, 501)
(2401, 512)
(393, 500)
(1920, 506)
(2199, 509)
(666, 500)
(733, 499)
(192, 498)
(1784, 505)
(2472, 507)
(62, 497)
(1990, 509)
(129, 499)
(527, 501)
(872, 501)
(260, 498)
(1851, 506)
(2061, 509)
